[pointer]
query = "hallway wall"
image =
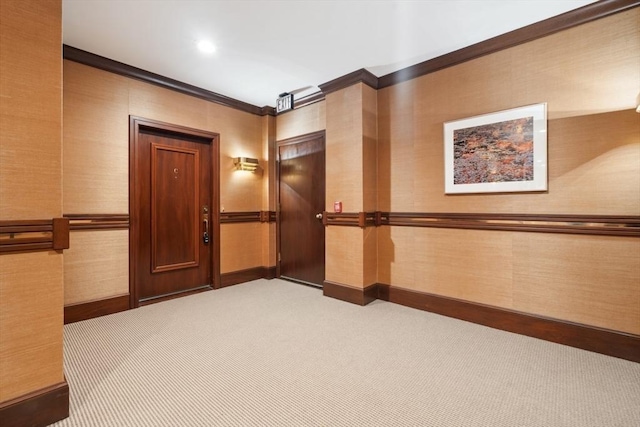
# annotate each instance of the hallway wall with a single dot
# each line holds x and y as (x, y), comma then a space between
(589, 77)
(97, 105)
(31, 283)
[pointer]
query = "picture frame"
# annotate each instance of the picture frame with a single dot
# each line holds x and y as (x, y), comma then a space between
(504, 151)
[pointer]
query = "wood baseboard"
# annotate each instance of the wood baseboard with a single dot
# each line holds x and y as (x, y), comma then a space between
(174, 295)
(36, 409)
(96, 308)
(241, 276)
(349, 293)
(603, 341)
(102, 307)
(590, 338)
(269, 272)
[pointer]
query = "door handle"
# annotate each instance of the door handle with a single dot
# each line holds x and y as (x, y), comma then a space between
(319, 215)
(205, 235)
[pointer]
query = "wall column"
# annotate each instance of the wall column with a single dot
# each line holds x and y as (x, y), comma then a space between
(269, 194)
(351, 178)
(33, 390)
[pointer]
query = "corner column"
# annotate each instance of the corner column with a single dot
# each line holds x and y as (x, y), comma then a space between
(351, 178)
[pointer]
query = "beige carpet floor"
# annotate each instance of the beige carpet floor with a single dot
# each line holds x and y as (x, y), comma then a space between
(275, 353)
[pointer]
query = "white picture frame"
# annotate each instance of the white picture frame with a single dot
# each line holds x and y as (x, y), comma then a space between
(500, 152)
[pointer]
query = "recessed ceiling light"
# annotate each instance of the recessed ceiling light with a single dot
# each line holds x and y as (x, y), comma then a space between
(205, 46)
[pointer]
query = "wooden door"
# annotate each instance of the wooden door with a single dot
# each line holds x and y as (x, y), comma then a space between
(172, 204)
(301, 192)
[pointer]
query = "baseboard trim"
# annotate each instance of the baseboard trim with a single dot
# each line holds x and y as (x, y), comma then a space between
(350, 294)
(174, 295)
(269, 272)
(598, 340)
(40, 408)
(95, 308)
(102, 307)
(247, 275)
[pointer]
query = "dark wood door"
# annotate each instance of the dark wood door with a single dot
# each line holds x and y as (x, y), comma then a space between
(173, 205)
(301, 194)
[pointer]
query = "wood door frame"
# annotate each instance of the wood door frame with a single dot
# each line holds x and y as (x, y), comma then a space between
(291, 141)
(135, 125)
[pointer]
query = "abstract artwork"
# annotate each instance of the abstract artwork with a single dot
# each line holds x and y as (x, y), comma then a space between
(504, 151)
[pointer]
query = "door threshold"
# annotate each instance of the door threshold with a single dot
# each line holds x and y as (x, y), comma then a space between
(172, 295)
(302, 282)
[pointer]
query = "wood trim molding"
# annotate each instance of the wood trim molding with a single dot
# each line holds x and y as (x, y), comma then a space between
(604, 341)
(98, 221)
(608, 225)
(350, 294)
(301, 138)
(590, 338)
(95, 308)
(247, 275)
(307, 100)
(172, 295)
(588, 13)
(268, 216)
(250, 216)
(106, 64)
(595, 225)
(236, 217)
(40, 408)
(359, 76)
(118, 303)
(60, 229)
(350, 219)
(268, 111)
(34, 235)
(269, 272)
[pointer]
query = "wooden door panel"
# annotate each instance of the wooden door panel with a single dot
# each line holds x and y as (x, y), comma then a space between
(173, 183)
(302, 197)
(175, 180)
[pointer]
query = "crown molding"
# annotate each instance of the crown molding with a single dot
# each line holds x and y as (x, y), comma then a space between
(359, 76)
(268, 111)
(583, 15)
(573, 18)
(309, 99)
(87, 58)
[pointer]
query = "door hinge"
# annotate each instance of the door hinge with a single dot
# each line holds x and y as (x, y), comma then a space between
(279, 257)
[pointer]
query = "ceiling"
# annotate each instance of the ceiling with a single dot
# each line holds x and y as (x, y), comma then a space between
(264, 48)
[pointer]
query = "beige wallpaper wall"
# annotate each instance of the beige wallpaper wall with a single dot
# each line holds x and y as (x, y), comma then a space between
(301, 121)
(351, 178)
(589, 77)
(344, 256)
(31, 284)
(31, 297)
(344, 148)
(102, 254)
(97, 105)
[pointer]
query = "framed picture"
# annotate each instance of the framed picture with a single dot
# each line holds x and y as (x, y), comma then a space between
(499, 152)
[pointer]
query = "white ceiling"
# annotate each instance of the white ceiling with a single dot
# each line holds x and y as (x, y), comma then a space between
(268, 47)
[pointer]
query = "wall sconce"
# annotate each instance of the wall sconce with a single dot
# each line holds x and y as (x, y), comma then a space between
(246, 164)
(638, 103)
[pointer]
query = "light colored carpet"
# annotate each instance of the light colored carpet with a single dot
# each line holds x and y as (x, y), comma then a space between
(275, 353)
